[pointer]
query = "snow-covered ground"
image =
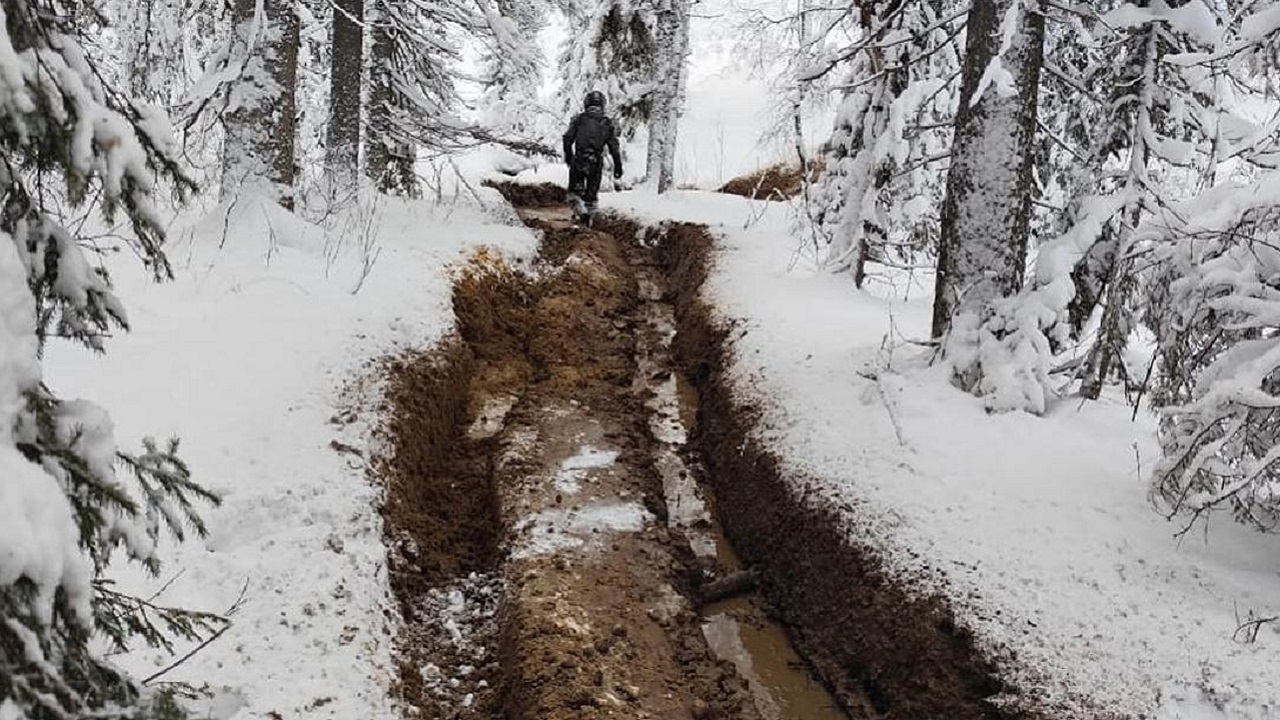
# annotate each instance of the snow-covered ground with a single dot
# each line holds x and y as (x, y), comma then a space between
(245, 357)
(1038, 529)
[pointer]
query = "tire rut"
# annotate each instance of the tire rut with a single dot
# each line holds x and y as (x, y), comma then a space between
(526, 523)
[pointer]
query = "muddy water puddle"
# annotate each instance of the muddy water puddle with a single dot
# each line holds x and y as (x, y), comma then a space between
(781, 683)
(738, 630)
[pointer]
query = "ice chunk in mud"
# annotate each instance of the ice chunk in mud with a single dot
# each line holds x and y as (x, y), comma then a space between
(569, 477)
(584, 529)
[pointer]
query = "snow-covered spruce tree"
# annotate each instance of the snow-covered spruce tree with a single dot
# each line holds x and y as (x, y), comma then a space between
(513, 65)
(346, 64)
(1152, 129)
(986, 211)
(881, 184)
(1123, 131)
(613, 49)
(412, 94)
(69, 499)
(1216, 312)
(259, 116)
(1214, 306)
(671, 35)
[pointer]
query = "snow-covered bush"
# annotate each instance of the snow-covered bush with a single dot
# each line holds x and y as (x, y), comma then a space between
(70, 141)
(881, 187)
(1215, 309)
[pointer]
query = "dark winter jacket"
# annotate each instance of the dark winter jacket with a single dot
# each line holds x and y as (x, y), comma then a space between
(592, 131)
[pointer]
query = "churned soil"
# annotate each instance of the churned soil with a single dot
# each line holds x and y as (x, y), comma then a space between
(530, 196)
(776, 182)
(596, 620)
(523, 507)
(885, 650)
(529, 550)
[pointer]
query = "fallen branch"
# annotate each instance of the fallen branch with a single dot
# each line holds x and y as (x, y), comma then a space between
(235, 606)
(519, 145)
(1247, 630)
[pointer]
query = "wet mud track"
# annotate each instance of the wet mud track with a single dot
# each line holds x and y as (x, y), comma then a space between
(551, 531)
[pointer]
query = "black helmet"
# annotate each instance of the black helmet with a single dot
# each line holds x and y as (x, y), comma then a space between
(595, 98)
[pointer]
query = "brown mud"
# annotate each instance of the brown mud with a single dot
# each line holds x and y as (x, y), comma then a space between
(884, 650)
(776, 182)
(557, 480)
(531, 196)
(536, 575)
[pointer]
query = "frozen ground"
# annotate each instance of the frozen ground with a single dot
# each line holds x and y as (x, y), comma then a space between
(1038, 529)
(245, 357)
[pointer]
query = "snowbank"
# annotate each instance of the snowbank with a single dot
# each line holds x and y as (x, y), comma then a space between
(1037, 529)
(244, 357)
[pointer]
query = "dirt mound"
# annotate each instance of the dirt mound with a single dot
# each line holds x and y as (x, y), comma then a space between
(440, 510)
(776, 182)
(524, 195)
(493, 305)
(439, 519)
(428, 485)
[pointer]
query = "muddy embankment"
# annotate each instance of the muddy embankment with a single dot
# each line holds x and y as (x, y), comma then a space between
(558, 478)
(884, 651)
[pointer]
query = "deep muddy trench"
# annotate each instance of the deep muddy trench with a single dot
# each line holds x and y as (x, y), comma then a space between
(557, 478)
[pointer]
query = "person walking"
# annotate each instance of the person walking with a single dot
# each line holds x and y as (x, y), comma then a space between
(589, 134)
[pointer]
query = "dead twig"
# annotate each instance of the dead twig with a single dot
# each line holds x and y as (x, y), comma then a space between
(235, 606)
(1247, 630)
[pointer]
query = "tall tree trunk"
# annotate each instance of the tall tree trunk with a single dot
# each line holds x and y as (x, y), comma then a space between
(342, 143)
(672, 40)
(377, 154)
(284, 68)
(389, 159)
(260, 122)
(986, 212)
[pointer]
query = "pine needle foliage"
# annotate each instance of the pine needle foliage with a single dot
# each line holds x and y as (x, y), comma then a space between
(72, 143)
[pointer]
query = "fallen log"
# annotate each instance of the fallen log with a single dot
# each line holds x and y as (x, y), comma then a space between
(733, 585)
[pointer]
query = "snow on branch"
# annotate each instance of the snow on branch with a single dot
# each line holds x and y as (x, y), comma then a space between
(71, 141)
(1218, 329)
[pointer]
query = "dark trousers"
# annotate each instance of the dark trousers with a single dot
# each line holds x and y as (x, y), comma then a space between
(584, 178)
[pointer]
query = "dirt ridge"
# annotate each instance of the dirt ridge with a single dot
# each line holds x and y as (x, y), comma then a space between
(885, 651)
